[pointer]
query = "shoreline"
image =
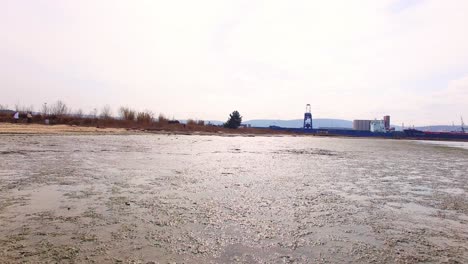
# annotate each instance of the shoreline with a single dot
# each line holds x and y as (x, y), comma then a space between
(42, 129)
(39, 129)
(62, 129)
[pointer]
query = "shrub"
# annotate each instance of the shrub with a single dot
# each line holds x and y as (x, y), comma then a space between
(106, 112)
(58, 109)
(127, 114)
(195, 122)
(145, 117)
(78, 114)
(191, 122)
(162, 119)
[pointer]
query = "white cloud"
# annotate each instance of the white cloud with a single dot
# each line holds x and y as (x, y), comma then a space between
(457, 91)
(451, 102)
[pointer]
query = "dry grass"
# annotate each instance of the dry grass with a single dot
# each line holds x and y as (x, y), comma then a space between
(23, 128)
(7, 128)
(142, 121)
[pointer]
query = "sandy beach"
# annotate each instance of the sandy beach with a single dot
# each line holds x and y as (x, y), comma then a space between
(8, 128)
(40, 129)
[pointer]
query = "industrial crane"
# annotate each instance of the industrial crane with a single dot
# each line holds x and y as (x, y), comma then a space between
(308, 118)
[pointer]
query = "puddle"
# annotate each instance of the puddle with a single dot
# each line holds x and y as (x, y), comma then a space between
(44, 198)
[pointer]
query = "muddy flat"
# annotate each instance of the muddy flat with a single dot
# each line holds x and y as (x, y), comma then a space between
(210, 199)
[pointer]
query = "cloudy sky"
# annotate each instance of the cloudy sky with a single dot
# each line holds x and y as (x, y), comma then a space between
(267, 59)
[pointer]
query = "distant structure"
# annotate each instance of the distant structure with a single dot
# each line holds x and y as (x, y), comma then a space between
(373, 125)
(377, 126)
(308, 118)
(386, 120)
(462, 125)
(363, 125)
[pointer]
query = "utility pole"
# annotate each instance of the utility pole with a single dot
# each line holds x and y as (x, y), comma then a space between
(462, 124)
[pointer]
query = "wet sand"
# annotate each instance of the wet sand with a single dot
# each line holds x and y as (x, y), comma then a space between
(210, 199)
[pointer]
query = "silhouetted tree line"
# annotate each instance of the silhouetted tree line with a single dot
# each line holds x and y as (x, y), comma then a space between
(60, 113)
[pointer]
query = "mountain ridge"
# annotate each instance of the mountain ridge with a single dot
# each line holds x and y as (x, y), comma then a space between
(298, 123)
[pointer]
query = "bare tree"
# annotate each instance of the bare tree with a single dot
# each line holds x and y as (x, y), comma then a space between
(93, 113)
(21, 108)
(78, 113)
(127, 114)
(59, 109)
(106, 112)
(18, 107)
(145, 117)
(29, 109)
(3, 107)
(162, 119)
(45, 110)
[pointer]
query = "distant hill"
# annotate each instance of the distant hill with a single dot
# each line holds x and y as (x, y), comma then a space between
(214, 122)
(335, 123)
(211, 122)
(440, 128)
(297, 123)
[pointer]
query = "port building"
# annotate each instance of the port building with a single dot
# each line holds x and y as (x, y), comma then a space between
(382, 125)
(362, 125)
(386, 120)
(377, 126)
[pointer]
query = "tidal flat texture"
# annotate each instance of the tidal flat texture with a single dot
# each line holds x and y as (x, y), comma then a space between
(212, 199)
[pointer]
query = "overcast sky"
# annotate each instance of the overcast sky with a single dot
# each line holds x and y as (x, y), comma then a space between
(267, 59)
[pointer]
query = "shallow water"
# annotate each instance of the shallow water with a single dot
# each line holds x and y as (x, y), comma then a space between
(211, 199)
(453, 144)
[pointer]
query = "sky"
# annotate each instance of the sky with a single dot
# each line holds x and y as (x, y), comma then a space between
(267, 59)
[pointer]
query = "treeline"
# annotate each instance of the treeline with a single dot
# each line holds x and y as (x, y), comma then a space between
(60, 113)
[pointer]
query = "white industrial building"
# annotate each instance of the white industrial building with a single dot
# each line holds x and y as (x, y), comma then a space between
(373, 125)
(377, 126)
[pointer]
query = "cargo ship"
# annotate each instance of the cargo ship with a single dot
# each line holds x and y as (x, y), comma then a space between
(453, 135)
(405, 134)
(374, 128)
(418, 134)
